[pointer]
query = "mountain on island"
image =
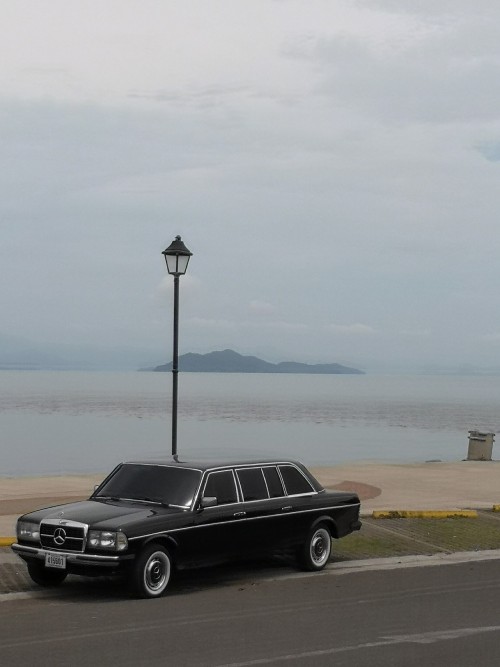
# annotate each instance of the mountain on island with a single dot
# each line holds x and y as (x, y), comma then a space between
(228, 361)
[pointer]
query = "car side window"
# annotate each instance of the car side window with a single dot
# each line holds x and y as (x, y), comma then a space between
(252, 483)
(295, 482)
(221, 485)
(273, 481)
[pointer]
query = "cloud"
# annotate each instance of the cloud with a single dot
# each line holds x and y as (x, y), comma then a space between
(244, 325)
(416, 333)
(490, 150)
(257, 307)
(333, 161)
(201, 97)
(187, 283)
(491, 337)
(396, 65)
(352, 329)
(216, 324)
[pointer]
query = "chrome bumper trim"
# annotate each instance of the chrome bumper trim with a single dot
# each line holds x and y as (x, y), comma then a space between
(71, 556)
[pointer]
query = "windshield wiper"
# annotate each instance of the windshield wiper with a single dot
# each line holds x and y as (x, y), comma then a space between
(114, 498)
(156, 501)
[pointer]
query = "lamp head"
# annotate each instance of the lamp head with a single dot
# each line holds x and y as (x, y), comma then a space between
(177, 257)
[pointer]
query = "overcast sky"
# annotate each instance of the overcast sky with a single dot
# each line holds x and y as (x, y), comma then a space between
(334, 166)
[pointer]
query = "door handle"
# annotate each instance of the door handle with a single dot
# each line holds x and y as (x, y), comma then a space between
(286, 509)
(238, 515)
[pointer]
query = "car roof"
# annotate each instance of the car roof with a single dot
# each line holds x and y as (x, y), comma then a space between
(210, 465)
(205, 465)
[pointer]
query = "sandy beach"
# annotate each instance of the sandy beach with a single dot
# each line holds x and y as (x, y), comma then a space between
(418, 486)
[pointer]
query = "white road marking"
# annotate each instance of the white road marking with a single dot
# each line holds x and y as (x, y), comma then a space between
(418, 638)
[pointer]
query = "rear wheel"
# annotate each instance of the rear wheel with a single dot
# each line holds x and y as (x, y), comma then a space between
(316, 550)
(152, 572)
(44, 576)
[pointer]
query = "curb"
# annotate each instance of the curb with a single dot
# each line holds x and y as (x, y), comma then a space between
(7, 541)
(424, 514)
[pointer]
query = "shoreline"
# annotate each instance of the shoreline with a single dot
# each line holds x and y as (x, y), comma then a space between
(424, 485)
(353, 463)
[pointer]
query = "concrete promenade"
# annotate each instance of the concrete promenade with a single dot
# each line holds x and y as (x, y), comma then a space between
(418, 486)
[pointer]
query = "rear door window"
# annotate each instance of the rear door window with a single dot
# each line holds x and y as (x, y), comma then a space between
(253, 484)
(295, 482)
(274, 485)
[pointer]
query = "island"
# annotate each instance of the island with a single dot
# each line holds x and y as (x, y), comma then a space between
(229, 361)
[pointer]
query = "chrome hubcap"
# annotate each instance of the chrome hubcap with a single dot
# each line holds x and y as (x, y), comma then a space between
(320, 547)
(157, 571)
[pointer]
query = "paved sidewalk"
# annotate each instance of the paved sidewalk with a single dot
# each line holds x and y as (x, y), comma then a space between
(418, 486)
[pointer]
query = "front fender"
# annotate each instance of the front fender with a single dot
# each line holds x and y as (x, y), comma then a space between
(165, 540)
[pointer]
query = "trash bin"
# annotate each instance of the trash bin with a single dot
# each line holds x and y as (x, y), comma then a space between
(480, 446)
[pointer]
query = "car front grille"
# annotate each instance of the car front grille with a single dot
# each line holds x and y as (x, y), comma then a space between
(63, 535)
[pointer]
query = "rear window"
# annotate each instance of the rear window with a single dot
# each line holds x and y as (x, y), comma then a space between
(295, 482)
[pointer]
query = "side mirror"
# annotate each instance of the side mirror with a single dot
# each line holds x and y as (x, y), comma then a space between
(208, 501)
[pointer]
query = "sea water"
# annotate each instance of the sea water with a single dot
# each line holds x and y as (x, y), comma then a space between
(75, 422)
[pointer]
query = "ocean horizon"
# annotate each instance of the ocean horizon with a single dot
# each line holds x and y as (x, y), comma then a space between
(64, 422)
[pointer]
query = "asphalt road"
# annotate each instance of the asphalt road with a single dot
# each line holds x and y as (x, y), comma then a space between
(442, 615)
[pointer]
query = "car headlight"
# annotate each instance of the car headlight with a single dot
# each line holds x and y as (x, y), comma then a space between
(27, 530)
(106, 539)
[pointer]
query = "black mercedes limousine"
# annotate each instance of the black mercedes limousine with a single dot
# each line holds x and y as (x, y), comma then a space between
(148, 518)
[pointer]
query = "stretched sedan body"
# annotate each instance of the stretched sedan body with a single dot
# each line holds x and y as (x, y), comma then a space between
(149, 517)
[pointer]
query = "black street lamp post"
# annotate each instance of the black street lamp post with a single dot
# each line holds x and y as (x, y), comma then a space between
(177, 258)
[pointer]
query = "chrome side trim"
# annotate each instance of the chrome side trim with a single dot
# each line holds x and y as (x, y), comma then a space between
(160, 465)
(282, 498)
(217, 507)
(278, 515)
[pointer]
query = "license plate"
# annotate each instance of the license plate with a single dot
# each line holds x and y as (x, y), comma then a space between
(55, 560)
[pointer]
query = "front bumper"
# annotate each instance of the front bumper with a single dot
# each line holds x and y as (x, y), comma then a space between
(75, 560)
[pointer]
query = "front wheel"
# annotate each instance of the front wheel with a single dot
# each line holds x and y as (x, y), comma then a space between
(316, 550)
(152, 572)
(44, 576)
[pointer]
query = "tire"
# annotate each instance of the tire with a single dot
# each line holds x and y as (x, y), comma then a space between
(44, 576)
(316, 550)
(152, 572)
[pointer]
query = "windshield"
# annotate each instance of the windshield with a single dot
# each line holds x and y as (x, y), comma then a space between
(162, 484)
